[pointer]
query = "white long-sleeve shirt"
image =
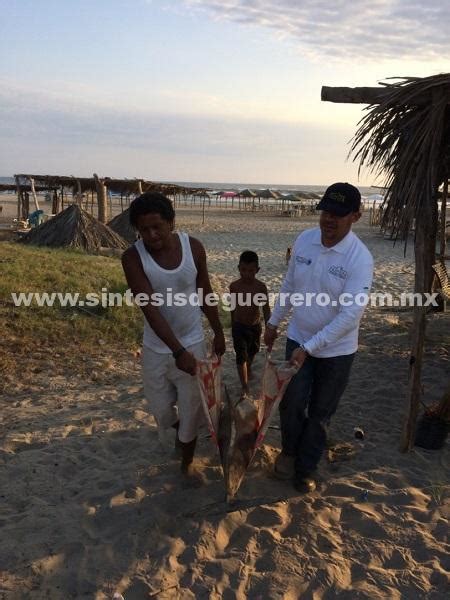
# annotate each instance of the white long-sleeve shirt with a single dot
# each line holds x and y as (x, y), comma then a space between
(346, 268)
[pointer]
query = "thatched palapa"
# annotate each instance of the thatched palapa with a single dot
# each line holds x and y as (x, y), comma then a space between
(405, 137)
(122, 226)
(75, 228)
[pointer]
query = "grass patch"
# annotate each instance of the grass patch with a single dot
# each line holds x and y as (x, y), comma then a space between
(63, 334)
(32, 269)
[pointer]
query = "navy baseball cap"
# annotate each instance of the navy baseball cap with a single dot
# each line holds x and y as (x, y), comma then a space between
(340, 199)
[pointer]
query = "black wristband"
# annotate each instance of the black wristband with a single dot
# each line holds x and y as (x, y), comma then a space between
(178, 352)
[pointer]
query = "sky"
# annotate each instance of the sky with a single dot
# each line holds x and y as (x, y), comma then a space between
(202, 90)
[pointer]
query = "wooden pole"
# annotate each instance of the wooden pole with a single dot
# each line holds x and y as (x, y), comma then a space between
(55, 203)
(26, 205)
(110, 204)
(367, 95)
(139, 187)
(33, 191)
(443, 216)
(424, 248)
(101, 198)
(19, 198)
(79, 194)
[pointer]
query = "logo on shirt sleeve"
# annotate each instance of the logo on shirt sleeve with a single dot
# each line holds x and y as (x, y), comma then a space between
(302, 260)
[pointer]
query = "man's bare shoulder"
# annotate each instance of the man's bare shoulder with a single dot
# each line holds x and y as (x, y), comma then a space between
(130, 255)
(196, 246)
(235, 285)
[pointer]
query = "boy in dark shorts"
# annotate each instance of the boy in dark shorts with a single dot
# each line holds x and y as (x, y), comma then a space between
(249, 295)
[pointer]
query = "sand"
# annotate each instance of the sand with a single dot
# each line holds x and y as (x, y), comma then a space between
(91, 501)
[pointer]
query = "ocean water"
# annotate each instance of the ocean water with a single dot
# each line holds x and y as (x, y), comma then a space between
(217, 186)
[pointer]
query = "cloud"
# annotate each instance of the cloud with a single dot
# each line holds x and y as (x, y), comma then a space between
(36, 117)
(44, 133)
(358, 29)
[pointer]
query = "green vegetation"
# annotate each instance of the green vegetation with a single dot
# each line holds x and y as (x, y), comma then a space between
(32, 269)
(66, 335)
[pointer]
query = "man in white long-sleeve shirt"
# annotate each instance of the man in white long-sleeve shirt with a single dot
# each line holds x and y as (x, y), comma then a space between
(327, 288)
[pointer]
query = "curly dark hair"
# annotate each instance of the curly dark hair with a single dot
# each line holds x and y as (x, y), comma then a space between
(151, 202)
(248, 256)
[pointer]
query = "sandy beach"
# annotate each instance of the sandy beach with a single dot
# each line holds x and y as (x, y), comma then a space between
(91, 501)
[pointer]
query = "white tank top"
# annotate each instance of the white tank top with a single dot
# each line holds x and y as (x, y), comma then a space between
(185, 321)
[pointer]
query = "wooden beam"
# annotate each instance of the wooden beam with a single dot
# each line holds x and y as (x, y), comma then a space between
(19, 198)
(443, 217)
(79, 199)
(33, 191)
(55, 203)
(101, 198)
(367, 95)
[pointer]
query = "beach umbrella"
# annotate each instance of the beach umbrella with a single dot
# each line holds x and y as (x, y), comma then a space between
(247, 194)
(229, 194)
(292, 197)
(303, 195)
(268, 194)
(203, 194)
(238, 428)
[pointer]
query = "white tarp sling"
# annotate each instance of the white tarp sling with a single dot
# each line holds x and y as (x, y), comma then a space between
(238, 429)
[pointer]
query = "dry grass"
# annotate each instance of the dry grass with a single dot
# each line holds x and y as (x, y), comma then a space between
(63, 339)
(64, 336)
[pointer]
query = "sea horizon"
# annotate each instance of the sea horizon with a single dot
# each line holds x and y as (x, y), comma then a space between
(215, 185)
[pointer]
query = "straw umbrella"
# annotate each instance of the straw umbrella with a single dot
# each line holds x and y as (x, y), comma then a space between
(246, 194)
(268, 194)
(406, 137)
(122, 226)
(75, 228)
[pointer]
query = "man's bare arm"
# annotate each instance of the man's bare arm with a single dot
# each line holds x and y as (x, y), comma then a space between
(266, 306)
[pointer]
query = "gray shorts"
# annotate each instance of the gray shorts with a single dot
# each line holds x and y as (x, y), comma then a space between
(172, 394)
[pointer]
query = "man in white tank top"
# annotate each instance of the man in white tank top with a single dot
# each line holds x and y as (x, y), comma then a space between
(168, 268)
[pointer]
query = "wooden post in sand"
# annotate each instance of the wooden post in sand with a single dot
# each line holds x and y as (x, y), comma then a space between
(19, 198)
(424, 250)
(79, 199)
(33, 191)
(110, 204)
(55, 203)
(424, 246)
(443, 216)
(139, 187)
(101, 198)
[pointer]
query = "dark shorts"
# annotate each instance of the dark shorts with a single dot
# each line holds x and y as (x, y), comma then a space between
(246, 340)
